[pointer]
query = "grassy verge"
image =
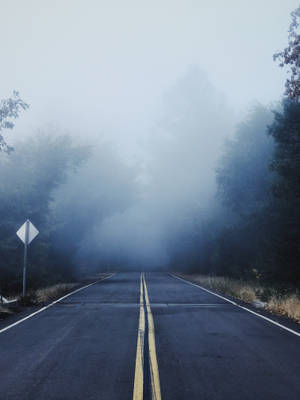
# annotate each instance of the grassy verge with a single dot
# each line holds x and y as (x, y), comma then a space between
(38, 297)
(271, 299)
(51, 293)
(43, 296)
(46, 294)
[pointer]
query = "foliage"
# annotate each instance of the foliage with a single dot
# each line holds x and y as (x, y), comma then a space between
(286, 188)
(66, 190)
(242, 175)
(229, 237)
(9, 110)
(255, 231)
(280, 302)
(286, 162)
(290, 57)
(29, 176)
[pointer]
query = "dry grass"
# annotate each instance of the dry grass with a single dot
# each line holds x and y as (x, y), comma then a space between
(53, 292)
(50, 293)
(244, 291)
(288, 305)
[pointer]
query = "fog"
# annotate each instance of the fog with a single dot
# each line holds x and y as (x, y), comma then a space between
(148, 94)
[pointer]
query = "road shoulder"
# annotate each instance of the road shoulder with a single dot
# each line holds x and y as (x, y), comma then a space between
(278, 319)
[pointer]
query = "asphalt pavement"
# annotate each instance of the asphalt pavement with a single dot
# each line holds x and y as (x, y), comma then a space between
(141, 336)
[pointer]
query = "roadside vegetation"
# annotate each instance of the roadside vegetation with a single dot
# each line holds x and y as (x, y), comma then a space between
(37, 297)
(53, 292)
(56, 182)
(44, 295)
(246, 244)
(278, 300)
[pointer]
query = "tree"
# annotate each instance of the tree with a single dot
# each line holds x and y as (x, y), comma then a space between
(243, 172)
(286, 189)
(244, 189)
(286, 161)
(9, 110)
(290, 57)
(30, 176)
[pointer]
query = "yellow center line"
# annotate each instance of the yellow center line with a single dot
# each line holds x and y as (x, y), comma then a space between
(139, 362)
(154, 373)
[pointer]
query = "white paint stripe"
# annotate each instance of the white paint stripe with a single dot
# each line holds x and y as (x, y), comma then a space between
(237, 305)
(200, 287)
(52, 304)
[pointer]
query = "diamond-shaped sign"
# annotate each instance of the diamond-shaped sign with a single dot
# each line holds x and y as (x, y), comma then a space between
(32, 232)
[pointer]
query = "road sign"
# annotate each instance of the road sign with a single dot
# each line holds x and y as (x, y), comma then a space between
(32, 232)
(26, 233)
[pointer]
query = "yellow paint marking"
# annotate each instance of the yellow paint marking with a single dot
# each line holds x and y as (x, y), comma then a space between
(138, 388)
(155, 384)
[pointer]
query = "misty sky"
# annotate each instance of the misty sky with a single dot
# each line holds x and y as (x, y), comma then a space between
(102, 66)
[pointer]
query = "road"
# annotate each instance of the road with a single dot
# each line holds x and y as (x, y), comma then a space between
(142, 336)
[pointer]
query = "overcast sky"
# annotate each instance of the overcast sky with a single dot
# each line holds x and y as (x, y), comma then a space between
(102, 66)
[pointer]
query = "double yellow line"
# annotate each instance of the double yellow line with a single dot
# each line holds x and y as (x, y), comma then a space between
(138, 389)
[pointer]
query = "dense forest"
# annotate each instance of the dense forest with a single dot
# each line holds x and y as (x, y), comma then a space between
(254, 230)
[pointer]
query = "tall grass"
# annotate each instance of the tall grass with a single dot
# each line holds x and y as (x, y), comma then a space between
(249, 292)
(287, 305)
(53, 292)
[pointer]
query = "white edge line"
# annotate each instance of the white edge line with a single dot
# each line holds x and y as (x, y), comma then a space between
(237, 305)
(52, 304)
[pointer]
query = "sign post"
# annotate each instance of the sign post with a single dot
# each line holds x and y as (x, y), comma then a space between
(26, 233)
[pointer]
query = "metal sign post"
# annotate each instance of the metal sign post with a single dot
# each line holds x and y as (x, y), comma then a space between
(26, 233)
(25, 257)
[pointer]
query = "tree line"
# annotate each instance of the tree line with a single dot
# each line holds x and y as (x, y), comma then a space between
(65, 189)
(253, 227)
